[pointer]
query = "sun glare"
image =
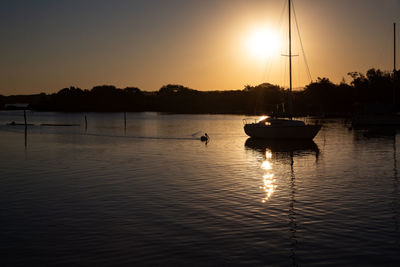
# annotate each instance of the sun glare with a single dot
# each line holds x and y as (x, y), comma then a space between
(263, 43)
(262, 118)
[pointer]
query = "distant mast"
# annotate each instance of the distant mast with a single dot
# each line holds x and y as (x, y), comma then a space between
(394, 65)
(394, 47)
(290, 63)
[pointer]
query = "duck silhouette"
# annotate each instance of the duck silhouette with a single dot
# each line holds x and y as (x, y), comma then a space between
(204, 138)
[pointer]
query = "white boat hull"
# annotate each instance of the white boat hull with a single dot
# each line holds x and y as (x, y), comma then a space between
(303, 132)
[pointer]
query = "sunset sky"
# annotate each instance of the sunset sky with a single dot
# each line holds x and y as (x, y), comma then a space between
(47, 45)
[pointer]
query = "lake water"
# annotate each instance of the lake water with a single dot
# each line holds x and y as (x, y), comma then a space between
(153, 194)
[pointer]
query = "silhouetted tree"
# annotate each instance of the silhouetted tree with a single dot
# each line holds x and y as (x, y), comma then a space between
(319, 97)
(265, 97)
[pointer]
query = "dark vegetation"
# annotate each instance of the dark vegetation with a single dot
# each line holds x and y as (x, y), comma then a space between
(321, 97)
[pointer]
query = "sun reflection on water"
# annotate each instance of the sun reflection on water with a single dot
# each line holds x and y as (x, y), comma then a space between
(269, 185)
(266, 165)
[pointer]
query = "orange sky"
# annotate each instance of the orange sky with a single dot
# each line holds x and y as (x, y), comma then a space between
(49, 45)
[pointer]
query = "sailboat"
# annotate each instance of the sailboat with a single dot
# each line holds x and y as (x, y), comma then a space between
(278, 128)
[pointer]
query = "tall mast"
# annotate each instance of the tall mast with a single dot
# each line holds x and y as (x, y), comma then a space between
(290, 63)
(394, 47)
(394, 66)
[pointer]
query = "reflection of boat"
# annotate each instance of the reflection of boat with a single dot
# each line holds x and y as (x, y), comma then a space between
(287, 146)
(274, 151)
(272, 128)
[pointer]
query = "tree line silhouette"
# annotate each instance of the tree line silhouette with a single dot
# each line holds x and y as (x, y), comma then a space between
(321, 97)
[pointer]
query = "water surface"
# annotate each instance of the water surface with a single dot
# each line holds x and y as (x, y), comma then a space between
(153, 194)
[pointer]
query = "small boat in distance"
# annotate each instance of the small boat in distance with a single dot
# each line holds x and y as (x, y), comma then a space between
(279, 128)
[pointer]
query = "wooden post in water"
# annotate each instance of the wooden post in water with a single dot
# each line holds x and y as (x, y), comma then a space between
(25, 118)
(125, 121)
(85, 123)
(26, 136)
(26, 129)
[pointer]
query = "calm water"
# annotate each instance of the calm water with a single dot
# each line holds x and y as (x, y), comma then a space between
(153, 194)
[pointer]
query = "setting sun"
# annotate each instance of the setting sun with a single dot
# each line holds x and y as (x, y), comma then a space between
(263, 43)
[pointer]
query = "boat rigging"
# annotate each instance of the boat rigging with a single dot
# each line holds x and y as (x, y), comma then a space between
(278, 128)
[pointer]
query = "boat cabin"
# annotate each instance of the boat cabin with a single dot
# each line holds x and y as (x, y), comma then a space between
(280, 122)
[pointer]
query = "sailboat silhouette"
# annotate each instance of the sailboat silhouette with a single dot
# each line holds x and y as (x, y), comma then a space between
(274, 128)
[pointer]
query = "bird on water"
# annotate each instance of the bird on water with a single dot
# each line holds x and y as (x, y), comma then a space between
(204, 138)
